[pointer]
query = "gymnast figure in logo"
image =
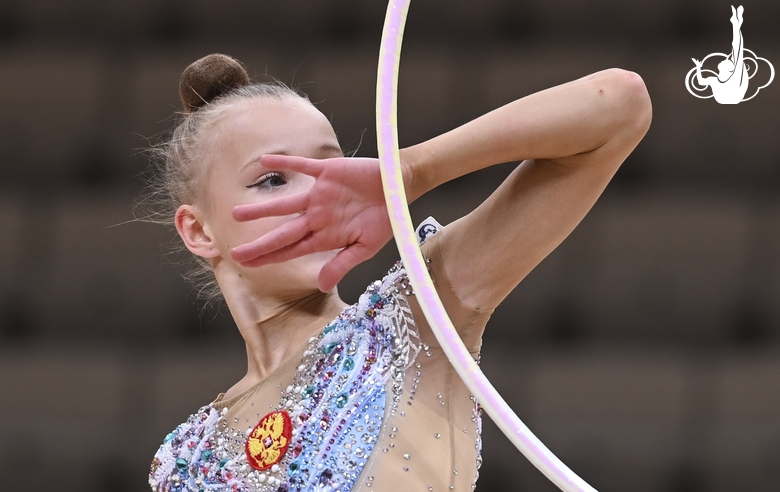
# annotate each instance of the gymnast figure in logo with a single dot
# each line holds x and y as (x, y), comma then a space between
(731, 84)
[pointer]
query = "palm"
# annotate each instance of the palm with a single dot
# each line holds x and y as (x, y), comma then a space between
(344, 209)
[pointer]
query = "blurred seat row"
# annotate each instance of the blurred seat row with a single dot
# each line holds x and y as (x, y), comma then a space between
(336, 17)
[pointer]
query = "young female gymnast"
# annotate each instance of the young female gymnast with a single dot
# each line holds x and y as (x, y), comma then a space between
(360, 397)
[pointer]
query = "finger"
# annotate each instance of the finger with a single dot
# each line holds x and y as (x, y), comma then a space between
(282, 236)
(278, 162)
(285, 205)
(295, 250)
(346, 259)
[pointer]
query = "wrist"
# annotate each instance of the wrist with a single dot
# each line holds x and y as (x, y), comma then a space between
(410, 172)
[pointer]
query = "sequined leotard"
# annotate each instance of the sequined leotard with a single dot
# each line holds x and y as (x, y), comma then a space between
(369, 404)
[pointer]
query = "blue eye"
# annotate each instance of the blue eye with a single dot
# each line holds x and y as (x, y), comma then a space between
(270, 180)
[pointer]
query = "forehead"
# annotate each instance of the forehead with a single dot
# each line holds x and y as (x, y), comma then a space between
(258, 126)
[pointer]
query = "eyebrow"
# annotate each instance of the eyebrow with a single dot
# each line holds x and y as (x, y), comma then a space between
(328, 148)
(325, 149)
(322, 149)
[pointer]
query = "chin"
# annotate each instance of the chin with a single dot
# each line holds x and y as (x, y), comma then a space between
(301, 274)
(309, 266)
(292, 278)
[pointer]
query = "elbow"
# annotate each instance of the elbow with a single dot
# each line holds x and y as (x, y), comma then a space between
(639, 104)
(631, 105)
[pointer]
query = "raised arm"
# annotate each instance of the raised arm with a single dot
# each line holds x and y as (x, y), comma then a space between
(572, 139)
(701, 80)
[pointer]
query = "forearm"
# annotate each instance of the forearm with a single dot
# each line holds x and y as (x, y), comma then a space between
(559, 122)
(699, 78)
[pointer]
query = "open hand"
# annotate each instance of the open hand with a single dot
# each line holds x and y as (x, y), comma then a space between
(344, 209)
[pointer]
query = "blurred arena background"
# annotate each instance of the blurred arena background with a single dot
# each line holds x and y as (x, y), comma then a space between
(644, 351)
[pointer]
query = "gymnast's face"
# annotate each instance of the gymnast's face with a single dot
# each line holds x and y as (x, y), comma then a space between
(234, 176)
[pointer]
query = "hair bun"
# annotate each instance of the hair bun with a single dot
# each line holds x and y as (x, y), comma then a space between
(208, 78)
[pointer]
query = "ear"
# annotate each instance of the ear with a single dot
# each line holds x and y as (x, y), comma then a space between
(196, 236)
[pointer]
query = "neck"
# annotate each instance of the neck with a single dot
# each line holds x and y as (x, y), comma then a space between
(275, 328)
(272, 340)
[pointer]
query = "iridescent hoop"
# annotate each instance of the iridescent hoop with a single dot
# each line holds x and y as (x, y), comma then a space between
(395, 196)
